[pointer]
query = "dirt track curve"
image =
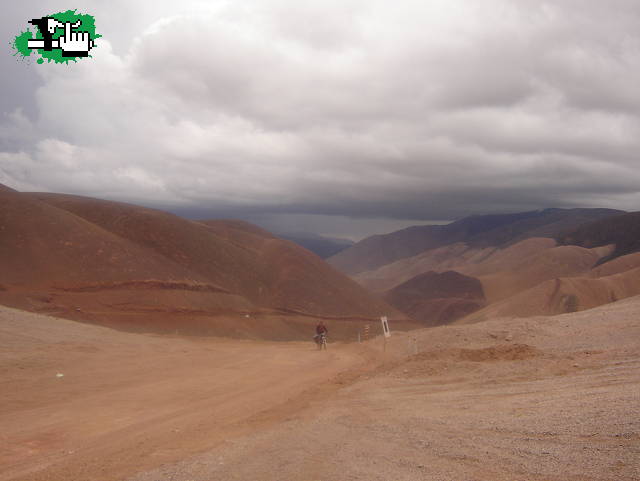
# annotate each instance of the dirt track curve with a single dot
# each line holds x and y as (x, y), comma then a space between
(541, 399)
(126, 402)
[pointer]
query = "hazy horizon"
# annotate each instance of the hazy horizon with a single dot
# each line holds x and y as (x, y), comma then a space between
(344, 119)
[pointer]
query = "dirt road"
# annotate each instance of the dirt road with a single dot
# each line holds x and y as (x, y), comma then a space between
(544, 399)
(84, 402)
(547, 398)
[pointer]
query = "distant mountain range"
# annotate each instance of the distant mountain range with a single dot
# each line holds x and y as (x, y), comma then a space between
(530, 263)
(476, 231)
(323, 247)
(622, 230)
(137, 268)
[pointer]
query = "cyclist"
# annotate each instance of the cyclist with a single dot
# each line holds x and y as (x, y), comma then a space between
(321, 332)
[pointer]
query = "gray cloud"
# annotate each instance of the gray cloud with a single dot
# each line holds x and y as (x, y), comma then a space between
(417, 111)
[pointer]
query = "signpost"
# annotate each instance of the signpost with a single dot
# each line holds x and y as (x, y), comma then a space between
(385, 330)
(385, 326)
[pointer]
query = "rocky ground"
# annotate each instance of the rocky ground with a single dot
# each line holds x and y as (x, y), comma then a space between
(547, 398)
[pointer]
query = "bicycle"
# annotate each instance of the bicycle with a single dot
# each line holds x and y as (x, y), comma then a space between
(321, 341)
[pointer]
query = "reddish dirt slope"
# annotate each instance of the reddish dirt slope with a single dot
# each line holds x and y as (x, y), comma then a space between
(184, 242)
(562, 261)
(460, 257)
(519, 278)
(287, 269)
(562, 295)
(437, 298)
(504, 273)
(44, 245)
(119, 263)
(617, 265)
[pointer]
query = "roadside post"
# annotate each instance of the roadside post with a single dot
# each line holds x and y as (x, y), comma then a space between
(385, 330)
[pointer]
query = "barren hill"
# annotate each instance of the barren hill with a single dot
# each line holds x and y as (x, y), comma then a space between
(473, 261)
(563, 295)
(621, 230)
(503, 271)
(437, 298)
(132, 266)
(41, 244)
(287, 268)
(617, 265)
(516, 280)
(476, 231)
(555, 262)
(507, 254)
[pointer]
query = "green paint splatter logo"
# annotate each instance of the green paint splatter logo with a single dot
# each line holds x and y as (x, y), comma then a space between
(59, 37)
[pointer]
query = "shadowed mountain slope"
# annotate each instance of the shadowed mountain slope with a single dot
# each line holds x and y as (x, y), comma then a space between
(233, 229)
(621, 230)
(475, 231)
(437, 298)
(324, 247)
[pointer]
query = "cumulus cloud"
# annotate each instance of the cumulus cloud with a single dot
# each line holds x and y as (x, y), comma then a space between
(418, 110)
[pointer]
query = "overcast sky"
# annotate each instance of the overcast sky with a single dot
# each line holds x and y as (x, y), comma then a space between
(339, 117)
